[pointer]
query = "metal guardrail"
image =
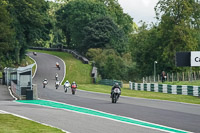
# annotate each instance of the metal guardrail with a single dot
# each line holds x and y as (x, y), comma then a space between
(110, 82)
(73, 52)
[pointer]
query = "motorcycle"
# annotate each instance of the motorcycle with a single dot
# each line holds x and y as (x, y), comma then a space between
(115, 95)
(56, 77)
(44, 84)
(34, 53)
(57, 85)
(66, 88)
(73, 89)
(58, 66)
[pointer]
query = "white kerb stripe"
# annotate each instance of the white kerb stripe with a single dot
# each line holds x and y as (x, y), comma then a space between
(195, 91)
(136, 86)
(148, 87)
(184, 90)
(142, 87)
(130, 85)
(156, 87)
(174, 89)
(164, 88)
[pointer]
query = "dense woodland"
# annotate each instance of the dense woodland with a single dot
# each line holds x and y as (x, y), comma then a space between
(101, 31)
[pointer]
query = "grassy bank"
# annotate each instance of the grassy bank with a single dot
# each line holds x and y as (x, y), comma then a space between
(13, 124)
(75, 69)
(192, 83)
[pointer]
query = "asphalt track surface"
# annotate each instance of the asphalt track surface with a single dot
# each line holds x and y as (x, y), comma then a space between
(171, 114)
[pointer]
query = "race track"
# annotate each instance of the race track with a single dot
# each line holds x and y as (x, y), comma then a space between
(171, 114)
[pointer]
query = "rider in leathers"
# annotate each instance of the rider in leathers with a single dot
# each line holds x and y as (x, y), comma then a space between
(116, 85)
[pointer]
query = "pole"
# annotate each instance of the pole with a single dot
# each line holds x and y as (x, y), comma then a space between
(155, 70)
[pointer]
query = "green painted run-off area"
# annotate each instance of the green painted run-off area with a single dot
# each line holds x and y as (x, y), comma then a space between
(100, 114)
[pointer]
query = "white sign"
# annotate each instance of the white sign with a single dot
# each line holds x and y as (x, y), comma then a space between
(195, 58)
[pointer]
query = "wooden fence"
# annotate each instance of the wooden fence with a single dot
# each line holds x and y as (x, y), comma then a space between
(171, 77)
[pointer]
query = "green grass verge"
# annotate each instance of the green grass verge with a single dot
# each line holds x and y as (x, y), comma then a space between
(193, 83)
(75, 69)
(141, 94)
(0, 74)
(13, 124)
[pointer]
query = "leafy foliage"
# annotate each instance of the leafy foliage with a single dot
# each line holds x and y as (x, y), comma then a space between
(104, 33)
(177, 30)
(110, 64)
(6, 35)
(75, 15)
(22, 23)
(179, 23)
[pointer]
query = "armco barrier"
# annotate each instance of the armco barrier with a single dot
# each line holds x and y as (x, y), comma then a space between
(164, 88)
(110, 82)
(74, 53)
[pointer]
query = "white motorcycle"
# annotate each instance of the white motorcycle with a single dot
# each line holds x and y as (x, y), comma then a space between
(56, 77)
(45, 82)
(67, 87)
(57, 84)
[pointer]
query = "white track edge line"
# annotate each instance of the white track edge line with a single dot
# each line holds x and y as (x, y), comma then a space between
(111, 118)
(35, 68)
(11, 93)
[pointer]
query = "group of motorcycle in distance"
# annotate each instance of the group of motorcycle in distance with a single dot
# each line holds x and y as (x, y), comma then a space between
(67, 84)
(115, 91)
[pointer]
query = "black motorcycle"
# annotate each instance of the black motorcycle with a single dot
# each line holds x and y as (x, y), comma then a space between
(115, 95)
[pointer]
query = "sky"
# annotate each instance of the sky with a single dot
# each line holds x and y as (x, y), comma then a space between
(140, 9)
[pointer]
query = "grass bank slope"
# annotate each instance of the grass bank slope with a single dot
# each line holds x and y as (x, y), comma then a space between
(13, 124)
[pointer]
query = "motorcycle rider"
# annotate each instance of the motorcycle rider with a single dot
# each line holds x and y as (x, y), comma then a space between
(56, 76)
(66, 85)
(57, 83)
(116, 85)
(74, 85)
(45, 82)
(57, 65)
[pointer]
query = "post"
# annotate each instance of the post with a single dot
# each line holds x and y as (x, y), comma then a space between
(155, 70)
(190, 74)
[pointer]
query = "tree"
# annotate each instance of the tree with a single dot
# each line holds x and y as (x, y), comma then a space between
(123, 20)
(110, 64)
(104, 33)
(30, 22)
(146, 48)
(75, 15)
(6, 35)
(179, 21)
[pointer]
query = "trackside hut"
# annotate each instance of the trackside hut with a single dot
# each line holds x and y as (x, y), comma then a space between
(20, 80)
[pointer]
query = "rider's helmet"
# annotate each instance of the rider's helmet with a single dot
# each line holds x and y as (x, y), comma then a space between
(74, 82)
(67, 81)
(45, 79)
(117, 84)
